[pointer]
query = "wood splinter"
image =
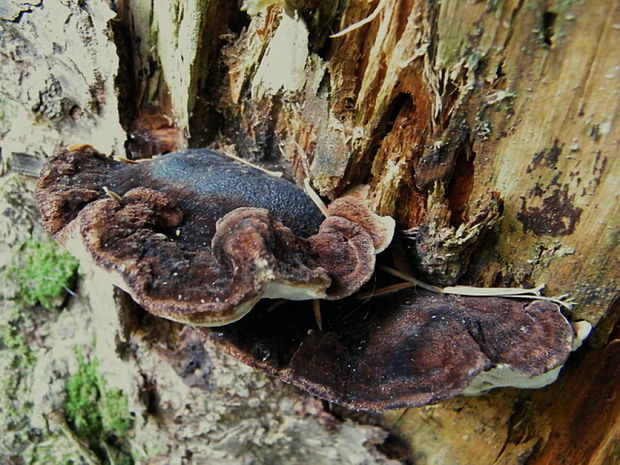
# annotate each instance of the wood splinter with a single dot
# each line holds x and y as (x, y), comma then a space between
(509, 292)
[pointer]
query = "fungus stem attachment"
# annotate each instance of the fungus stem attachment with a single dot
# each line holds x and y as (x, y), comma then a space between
(316, 308)
(508, 292)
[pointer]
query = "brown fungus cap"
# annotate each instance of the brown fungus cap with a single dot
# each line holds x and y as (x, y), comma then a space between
(197, 238)
(407, 349)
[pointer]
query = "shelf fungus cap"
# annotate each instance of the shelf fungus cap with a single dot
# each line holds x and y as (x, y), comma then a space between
(407, 350)
(199, 239)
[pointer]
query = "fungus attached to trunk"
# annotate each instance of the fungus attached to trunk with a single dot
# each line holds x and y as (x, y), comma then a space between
(409, 349)
(199, 239)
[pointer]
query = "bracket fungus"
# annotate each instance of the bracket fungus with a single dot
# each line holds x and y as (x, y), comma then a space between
(411, 349)
(199, 239)
(196, 238)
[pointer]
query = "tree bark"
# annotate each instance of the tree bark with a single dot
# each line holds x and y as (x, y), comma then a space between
(440, 107)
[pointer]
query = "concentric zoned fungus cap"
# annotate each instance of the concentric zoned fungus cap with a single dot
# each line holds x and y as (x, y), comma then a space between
(197, 238)
(409, 349)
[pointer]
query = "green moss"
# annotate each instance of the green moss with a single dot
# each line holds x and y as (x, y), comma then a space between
(98, 415)
(114, 417)
(21, 441)
(82, 410)
(17, 359)
(42, 273)
(13, 344)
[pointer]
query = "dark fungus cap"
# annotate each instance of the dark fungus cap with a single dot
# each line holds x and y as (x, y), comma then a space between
(406, 350)
(199, 239)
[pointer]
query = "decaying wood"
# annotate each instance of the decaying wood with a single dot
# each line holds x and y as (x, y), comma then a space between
(170, 45)
(458, 93)
(518, 98)
(513, 97)
(62, 90)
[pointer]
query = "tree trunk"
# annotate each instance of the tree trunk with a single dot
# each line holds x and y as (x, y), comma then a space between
(440, 107)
